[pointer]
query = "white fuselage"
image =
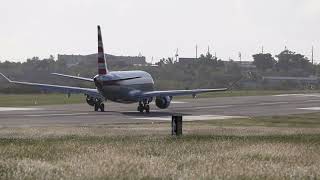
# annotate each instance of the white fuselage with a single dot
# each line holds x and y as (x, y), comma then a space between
(124, 91)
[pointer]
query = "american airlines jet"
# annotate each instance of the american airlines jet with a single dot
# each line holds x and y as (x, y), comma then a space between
(118, 86)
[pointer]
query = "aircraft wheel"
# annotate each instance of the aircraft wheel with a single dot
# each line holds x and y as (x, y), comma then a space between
(96, 107)
(102, 107)
(147, 108)
(140, 109)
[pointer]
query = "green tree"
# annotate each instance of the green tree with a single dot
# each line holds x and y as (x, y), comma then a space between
(263, 61)
(166, 61)
(289, 61)
(210, 60)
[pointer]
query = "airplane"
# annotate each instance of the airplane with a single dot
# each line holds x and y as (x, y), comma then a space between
(118, 86)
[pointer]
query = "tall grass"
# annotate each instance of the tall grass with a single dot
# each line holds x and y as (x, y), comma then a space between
(147, 152)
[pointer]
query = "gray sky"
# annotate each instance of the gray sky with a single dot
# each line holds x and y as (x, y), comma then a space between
(156, 28)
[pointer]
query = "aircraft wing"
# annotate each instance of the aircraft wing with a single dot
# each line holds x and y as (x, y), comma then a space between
(179, 92)
(57, 88)
(192, 92)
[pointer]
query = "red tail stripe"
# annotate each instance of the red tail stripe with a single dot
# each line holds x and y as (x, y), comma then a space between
(102, 65)
(102, 71)
(100, 49)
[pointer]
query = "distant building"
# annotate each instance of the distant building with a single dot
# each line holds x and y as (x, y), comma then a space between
(72, 60)
(305, 82)
(187, 60)
(311, 79)
(245, 65)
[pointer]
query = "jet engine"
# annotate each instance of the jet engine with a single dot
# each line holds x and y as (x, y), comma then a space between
(163, 102)
(90, 100)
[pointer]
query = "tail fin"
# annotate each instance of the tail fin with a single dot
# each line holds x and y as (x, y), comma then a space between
(102, 64)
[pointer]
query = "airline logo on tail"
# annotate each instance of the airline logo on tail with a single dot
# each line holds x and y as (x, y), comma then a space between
(102, 65)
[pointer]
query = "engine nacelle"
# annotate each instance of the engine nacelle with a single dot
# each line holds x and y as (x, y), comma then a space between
(163, 102)
(90, 100)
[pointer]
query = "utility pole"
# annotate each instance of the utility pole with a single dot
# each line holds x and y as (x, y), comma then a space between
(196, 52)
(314, 70)
(312, 55)
(240, 57)
(177, 55)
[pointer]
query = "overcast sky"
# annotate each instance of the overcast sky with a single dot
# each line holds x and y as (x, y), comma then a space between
(157, 27)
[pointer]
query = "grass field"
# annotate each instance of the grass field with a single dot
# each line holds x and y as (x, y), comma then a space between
(9, 100)
(50, 99)
(284, 147)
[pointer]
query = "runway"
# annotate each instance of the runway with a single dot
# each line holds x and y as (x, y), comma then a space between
(191, 109)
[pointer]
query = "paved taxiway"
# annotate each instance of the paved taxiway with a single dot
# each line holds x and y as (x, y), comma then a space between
(192, 109)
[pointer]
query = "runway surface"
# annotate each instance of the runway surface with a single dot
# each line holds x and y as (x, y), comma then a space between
(192, 109)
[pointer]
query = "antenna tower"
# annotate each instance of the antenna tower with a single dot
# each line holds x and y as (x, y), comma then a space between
(312, 55)
(177, 55)
(196, 51)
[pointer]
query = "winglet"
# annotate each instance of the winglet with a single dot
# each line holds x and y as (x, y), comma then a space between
(5, 77)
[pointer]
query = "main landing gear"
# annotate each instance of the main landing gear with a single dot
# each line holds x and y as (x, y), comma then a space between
(144, 106)
(98, 106)
(97, 103)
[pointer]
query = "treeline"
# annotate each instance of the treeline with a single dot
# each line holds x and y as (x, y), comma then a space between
(205, 72)
(287, 63)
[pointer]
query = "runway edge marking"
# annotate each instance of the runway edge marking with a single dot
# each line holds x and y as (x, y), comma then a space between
(4, 109)
(53, 115)
(310, 108)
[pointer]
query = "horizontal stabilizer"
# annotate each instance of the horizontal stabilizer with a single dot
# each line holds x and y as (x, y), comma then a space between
(91, 80)
(122, 79)
(73, 77)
